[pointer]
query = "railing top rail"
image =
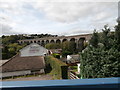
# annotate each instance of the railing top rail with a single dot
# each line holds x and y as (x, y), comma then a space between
(45, 83)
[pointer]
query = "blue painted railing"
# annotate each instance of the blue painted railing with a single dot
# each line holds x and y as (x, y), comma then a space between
(78, 83)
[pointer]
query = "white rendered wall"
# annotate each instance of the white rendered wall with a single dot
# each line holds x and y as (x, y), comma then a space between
(33, 50)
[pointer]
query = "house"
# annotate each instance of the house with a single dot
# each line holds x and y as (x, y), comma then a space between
(58, 51)
(73, 59)
(30, 60)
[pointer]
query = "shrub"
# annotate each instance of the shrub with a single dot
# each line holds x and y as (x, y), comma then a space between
(65, 53)
(56, 55)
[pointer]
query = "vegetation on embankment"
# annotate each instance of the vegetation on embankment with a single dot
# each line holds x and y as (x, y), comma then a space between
(58, 68)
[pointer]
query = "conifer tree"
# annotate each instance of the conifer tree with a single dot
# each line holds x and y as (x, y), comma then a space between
(94, 39)
(105, 36)
(117, 31)
(117, 34)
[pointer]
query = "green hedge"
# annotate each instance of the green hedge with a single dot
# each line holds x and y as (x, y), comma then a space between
(99, 63)
(59, 68)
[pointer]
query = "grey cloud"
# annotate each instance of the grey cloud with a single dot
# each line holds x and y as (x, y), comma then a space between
(73, 11)
(7, 30)
(14, 8)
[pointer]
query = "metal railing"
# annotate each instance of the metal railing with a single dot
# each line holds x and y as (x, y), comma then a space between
(66, 83)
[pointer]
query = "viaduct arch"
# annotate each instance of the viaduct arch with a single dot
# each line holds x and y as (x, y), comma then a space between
(78, 39)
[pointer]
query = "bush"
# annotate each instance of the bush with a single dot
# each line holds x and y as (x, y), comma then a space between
(73, 67)
(56, 55)
(59, 68)
(65, 53)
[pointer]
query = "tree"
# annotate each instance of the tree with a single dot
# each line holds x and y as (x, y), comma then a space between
(10, 50)
(117, 34)
(105, 36)
(102, 60)
(72, 46)
(5, 52)
(94, 39)
(100, 63)
(65, 46)
(53, 46)
(68, 48)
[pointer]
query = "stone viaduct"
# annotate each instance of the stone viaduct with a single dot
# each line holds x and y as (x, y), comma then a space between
(78, 39)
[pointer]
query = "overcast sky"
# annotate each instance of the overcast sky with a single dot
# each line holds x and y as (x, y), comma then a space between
(61, 17)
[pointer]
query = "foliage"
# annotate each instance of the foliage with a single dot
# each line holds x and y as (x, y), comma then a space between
(14, 38)
(68, 48)
(106, 36)
(65, 46)
(117, 31)
(10, 50)
(94, 39)
(117, 34)
(56, 55)
(85, 44)
(5, 53)
(72, 46)
(9, 39)
(65, 53)
(59, 68)
(101, 61)
(74, 68)
(53, 46)
(32, 36)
